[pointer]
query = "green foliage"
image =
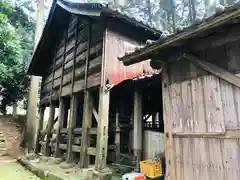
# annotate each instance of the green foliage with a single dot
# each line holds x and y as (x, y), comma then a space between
(16, 40)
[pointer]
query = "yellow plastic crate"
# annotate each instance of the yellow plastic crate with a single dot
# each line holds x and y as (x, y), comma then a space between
(150, 168)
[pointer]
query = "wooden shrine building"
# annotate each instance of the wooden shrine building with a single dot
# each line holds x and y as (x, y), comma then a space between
(77, 58)
(201, 94)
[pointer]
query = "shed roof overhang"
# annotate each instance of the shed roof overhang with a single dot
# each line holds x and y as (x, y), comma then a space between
(177, 41)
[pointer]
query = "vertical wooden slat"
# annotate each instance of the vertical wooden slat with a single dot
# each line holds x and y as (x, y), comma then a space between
(104, 99)
(87, 108)
(137, 126)
(74, 103)
(170, 167)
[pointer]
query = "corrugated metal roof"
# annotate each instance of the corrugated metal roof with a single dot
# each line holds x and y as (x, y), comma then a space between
(230, 14)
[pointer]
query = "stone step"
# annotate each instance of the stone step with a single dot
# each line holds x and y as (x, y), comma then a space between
(2, 145)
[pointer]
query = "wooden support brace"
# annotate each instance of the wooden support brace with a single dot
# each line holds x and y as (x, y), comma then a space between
(87, 124)
(71, 126)
(62, 111)
(215, 70)
(226, 135)
(49, 130)
(137, 127)
(39, 129)
(95, 113)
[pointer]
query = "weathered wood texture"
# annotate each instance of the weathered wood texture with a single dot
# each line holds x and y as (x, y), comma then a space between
(153, 144)
(201, 103)
(65, 56)
(116, 46)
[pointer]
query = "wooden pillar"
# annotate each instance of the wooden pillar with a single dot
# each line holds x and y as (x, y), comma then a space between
(71, 126)
(87, 108)
(103, 111)
(61, 116)
(117, 137)
(168, 145)
(102, 139)
(137, 127)
(87, 124)
(39, 129)
(49, 130)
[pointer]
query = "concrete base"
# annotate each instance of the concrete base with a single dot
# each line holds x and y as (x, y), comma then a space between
(104, 174)
(46, 170)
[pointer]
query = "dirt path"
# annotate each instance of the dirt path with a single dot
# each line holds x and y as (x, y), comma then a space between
(11, 170)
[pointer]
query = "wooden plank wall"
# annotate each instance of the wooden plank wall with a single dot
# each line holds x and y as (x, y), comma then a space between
(116, 46)
(153, 143)
(203, 103)
(75, 46)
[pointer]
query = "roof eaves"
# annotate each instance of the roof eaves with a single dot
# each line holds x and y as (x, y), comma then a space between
(191, 31)
(40, 42)
(120, 15)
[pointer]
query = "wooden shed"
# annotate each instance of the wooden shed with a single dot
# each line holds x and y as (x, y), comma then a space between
(201, 95)
(77, 58)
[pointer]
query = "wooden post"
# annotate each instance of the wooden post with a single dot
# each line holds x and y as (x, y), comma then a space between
(104, 97)
(33, 90)
(87, 108)
(74, 102)
(39, 129)
(117, 137)
(102, 139)
(49, 129)
(62, 111)
(137, 127)
(168, 146)
(87, 124)
(71, 126)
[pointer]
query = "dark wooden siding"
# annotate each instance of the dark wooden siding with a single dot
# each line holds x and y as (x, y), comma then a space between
(73, 45)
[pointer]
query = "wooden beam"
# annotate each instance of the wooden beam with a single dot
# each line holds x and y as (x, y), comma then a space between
(226, 135)
(78, 131)
(87, 107)
(90, 150)
(87, 124)
(137, 127)
(49, 130)
(39, 129)
(147, 52)
(74, 103)
(71, 126)
(62, 112)
(215, 70)
(220, 39)
(104, 100)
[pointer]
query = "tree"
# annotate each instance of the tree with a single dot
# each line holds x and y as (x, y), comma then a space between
(16, 39)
